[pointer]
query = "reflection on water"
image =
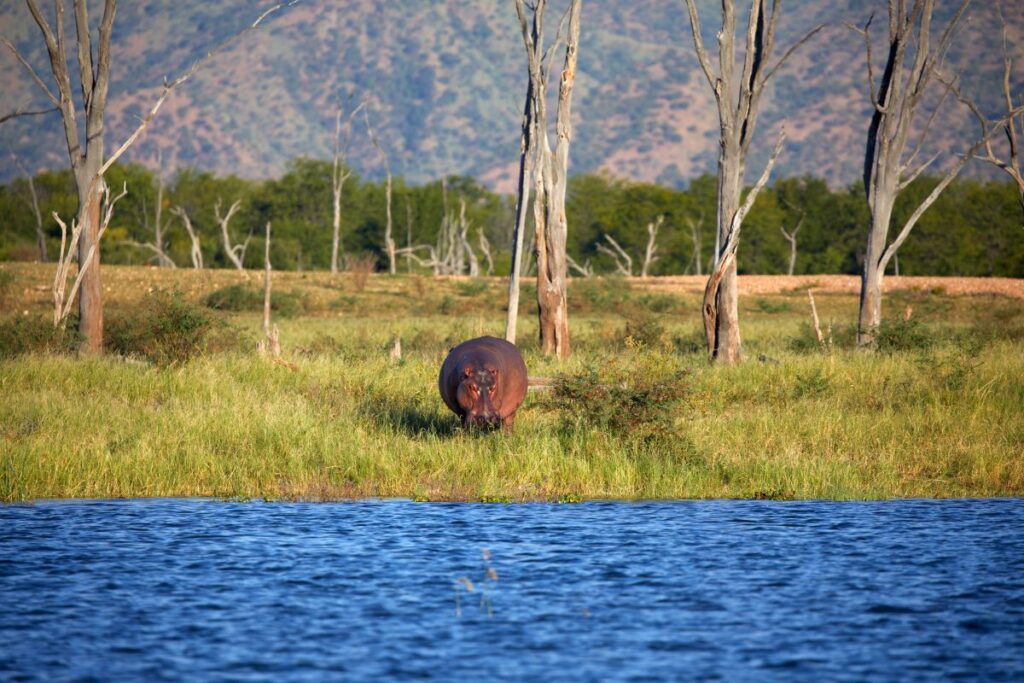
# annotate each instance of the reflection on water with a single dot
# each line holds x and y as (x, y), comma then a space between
(173, 589)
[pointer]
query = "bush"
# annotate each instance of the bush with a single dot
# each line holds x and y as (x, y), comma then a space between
(902, 335)
(21, 334)
(630, 404)
(242, 298)
(166, 329)
(644, 330)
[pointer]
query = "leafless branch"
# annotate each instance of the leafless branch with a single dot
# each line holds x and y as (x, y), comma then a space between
(169, 86)
(623, 261)
(62, 306)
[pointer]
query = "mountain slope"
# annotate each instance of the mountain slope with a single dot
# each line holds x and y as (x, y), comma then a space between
(446, 80)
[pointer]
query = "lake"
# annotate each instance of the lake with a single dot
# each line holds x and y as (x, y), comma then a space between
(598, 591)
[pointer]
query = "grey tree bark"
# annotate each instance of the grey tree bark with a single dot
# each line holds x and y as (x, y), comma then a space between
(234, 252)
(87, 162)
(341, 173)
(550, 170)
(33, 203)
(651, 252)
(196, 252)
(389, 242)
(791, 238)
(738, 101)
(888, 169)
(532, 38)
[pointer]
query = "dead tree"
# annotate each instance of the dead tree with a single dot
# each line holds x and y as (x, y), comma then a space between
(623, 261)
(236, 252)
(791, 238)
(888, 170)
(33, 203)
(738, 97)
(87, 156)
(651, 252)
(467, 248)
(157, 246)
(695, 228)
(550, 171)
(62, 303)
(1012, 125)
(485, 249)
(272, 344)
(197, 252)
(586, 270)
(533, 38)
(389, 243)
(341, 173)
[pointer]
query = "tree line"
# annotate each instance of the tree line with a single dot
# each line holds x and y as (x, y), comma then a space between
(798, 225)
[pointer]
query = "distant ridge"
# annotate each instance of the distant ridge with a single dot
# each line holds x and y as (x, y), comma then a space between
(446, 81)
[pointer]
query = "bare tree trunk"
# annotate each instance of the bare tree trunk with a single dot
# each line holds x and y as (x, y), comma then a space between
(34, 205)
(522, 201)
(341, 173)
(651, 252)
(554, 311)
(737, 120)
(474, 262)
(87, 163)
(235, 253)
(886, 172)
(485, 249)
(623, 261)
(695, 227)
(791, 238)
(389, 243)
(197, 252)
(272, 343)
(163, 260)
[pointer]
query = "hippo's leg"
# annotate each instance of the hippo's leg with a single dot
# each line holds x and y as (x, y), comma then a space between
(508, 422)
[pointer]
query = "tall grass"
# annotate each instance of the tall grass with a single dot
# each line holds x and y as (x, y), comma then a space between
(942, 418)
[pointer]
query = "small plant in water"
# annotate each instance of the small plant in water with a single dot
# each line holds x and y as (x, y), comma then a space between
(465, 583)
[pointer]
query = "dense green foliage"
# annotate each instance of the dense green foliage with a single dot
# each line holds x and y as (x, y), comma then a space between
(974, 229)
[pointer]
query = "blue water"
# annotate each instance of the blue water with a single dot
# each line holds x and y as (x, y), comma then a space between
(208, 590)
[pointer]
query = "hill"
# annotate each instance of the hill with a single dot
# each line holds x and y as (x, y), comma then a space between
(446, 79)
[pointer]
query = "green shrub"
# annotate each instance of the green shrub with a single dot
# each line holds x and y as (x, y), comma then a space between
(164, 328)
(644, 330)
(471, 288)
(768, 306)
(242, 298)
(21, 334)
(632, 404)
(902, 335)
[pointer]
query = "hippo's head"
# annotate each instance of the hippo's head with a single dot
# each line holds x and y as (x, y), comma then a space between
(479, 398)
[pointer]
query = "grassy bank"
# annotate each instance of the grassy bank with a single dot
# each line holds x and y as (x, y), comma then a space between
(937, 412)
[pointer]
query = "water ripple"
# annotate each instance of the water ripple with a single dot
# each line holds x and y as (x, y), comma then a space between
(207, 590)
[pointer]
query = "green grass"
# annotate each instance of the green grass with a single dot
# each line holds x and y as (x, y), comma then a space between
(939, 418)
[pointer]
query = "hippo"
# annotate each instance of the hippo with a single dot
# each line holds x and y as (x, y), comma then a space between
(483, 381)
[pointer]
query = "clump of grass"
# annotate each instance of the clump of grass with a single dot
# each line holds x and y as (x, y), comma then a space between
(768, 306)
(902, 335)
(238, 298)
(6, 281)
(22, 334)
(471, 288)
(164, 328)
(360, 267)
(644, 331)
(631, 403)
